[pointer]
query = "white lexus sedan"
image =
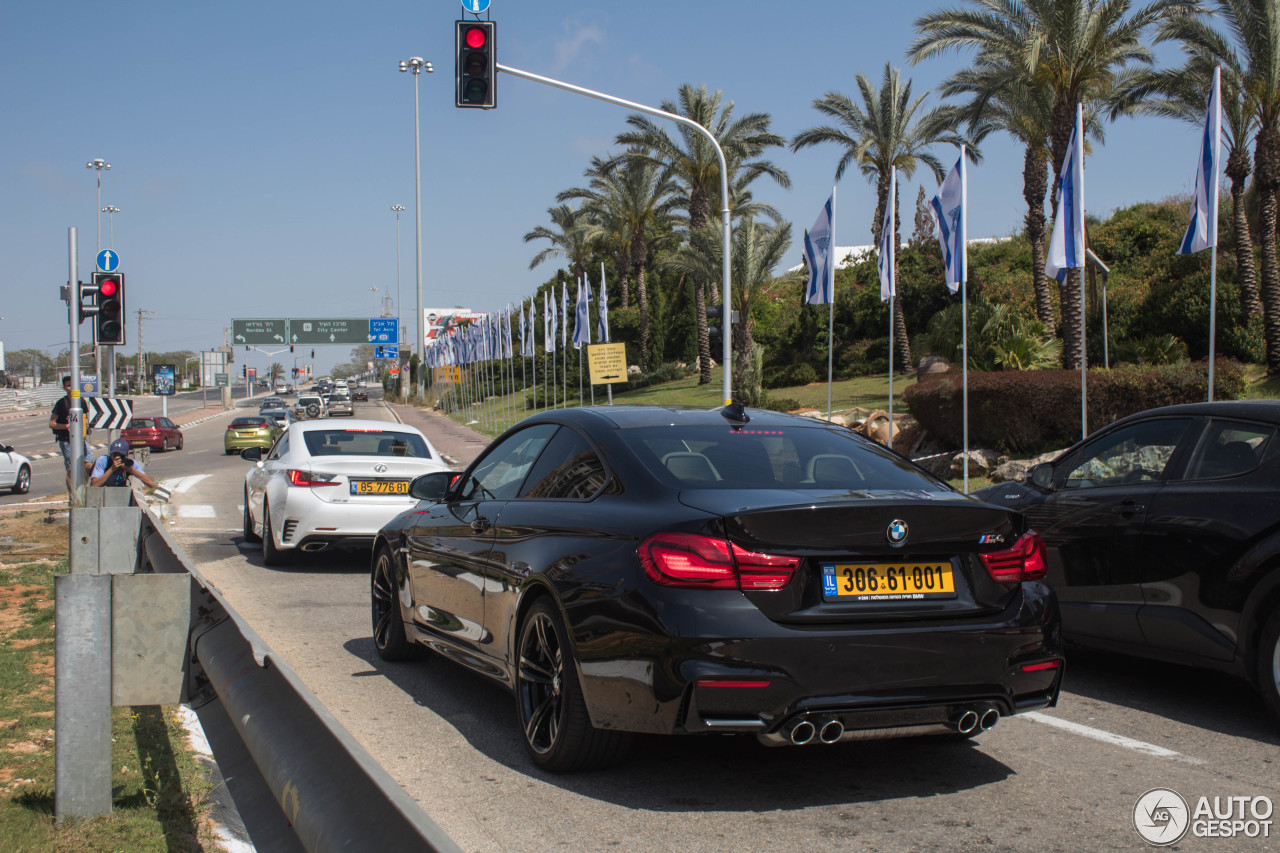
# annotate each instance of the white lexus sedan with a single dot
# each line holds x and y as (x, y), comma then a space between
(15, 471)
(322, 485)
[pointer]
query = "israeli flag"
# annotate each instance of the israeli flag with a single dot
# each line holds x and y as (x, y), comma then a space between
(948, 211)
(550, 314)
(564, 315)
(523, 346)
(1203, 231)
(602, 312)
(818, 254)
(885, 262)
(582, 316)
(533, 334)
(1066, 245)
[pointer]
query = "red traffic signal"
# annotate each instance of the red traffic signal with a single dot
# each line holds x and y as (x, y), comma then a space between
(109, 317)
(476, 66)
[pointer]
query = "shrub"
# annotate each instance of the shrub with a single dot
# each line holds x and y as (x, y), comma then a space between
(779, 404)
(665, 373)
(1028, 412)
(791, 376)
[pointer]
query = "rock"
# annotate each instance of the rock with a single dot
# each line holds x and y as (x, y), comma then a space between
(633, 370)
(1016, 469)
(931, 364)
(981, 463)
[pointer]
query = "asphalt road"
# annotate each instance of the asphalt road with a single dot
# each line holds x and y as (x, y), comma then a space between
(30, 435)
(1066, 779)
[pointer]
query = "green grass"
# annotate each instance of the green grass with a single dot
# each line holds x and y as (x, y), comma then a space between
(158, 791)
(1261, 386)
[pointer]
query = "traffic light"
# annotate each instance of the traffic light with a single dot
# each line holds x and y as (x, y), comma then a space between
(108, 325)
(476, 68)
(313, 353)
(290, 347)
(715, 318)
(85, 307)
(244, 371)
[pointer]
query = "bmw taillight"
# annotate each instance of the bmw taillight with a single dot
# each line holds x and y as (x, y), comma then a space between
(707, 562)
(1023, 561)
(303, 478)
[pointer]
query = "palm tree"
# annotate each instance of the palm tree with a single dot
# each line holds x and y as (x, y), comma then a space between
(633, 200)
(888, 130)
(1182, 93)
(755, 252)
(1077, 49)
(568, 238)
(696, 168)
(1251, 56)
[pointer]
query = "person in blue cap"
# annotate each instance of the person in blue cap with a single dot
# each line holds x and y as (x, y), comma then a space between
(116, 467)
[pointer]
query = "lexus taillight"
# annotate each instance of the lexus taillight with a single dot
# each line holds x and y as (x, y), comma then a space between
(303, 478)
(707, 562)
(1024, 561)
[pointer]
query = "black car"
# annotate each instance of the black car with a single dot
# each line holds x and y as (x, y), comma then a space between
(360, 395)
(681, 571)
(1163, 536)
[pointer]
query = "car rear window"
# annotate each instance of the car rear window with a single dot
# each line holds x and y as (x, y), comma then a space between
(249, 422)
(360, 442)
(718, 457)
(141, 423)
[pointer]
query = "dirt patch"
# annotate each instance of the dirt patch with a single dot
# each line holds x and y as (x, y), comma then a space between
(33, 534)
(12, 616)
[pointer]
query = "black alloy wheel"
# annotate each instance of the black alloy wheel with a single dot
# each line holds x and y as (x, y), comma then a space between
(1269, 665)
(249, 534)
(388, 628)
(22, 485)
(271, 555)
(553, 716)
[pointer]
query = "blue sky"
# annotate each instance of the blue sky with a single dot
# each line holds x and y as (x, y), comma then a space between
(257, 148)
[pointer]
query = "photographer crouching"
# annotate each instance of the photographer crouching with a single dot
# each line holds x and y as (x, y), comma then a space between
(116, 467)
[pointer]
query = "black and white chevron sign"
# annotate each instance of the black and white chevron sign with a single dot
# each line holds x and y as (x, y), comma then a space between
(108, 412)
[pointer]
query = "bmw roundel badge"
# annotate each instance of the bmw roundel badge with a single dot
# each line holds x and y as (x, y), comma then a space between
(897, 532)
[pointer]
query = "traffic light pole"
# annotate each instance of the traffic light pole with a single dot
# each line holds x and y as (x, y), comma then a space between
(726, 354)
(75, 414)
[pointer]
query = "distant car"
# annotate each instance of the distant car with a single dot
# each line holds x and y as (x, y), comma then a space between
(683, 571)
(272, 402)
(15, 470)
(324, 485)
(1163, 536)
(360, 395)
(249, 431)
(339, 403)
(309, 406)
(157, 433)
(282, 416)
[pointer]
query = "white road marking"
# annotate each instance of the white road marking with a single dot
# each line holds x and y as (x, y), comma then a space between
(194, 452)
(181, 484)
(1109, 737)
(197, 511)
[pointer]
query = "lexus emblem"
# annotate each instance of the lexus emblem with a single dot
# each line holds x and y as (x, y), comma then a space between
(382, 469)
(896, 532)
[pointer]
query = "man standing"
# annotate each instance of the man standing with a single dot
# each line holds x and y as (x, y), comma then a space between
(116, 467)
(59, 422)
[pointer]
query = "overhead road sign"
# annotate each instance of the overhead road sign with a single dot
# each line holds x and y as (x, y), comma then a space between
(109, 412)
(320, 330)
(272, 331)
(383, 330)
(386, 352)
(108, 261)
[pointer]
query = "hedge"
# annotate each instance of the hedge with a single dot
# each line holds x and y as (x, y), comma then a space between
(1034, 411)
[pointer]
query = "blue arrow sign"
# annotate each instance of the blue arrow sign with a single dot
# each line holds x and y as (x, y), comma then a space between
(386, 352)
(475, 7)
(383, 330)
(108, 260)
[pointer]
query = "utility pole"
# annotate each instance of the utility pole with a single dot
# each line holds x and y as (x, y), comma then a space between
(140, 369)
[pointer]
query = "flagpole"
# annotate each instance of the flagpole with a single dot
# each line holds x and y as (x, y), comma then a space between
(1084, 347)
(893, 250)
(964, 308)
(831, 305)
(1214, 120)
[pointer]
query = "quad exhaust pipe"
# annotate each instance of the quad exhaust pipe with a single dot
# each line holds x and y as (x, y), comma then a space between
(802, 732)
(989, 720)
(828, 732)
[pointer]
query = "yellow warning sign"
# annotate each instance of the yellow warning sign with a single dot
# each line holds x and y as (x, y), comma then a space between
(607, 362)
(448, 375)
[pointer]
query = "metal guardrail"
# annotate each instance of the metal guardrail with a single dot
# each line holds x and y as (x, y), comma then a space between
(20, 398)
(331, 794)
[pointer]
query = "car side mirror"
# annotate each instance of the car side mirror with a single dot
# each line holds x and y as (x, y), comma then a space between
(1042, 476)
(433, 486)
(7, 448)
(253, 454)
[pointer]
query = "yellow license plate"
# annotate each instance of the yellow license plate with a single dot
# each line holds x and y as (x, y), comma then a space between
(887, 581)
(379, 487)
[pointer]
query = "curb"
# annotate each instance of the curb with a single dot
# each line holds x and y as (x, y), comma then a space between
(23, 415)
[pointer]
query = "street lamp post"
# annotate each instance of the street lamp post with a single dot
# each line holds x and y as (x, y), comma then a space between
(397, 209)
(377, 300)
(111, 210)
(416, 65)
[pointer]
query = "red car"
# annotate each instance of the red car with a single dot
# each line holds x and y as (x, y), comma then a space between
(156, 433)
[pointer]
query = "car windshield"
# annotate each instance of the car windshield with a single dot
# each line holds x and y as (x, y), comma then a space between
(141, 423)
(249, 422)
(366, 442)
(719, 457)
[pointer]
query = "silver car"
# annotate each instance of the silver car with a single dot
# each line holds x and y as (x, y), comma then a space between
(340, 404)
